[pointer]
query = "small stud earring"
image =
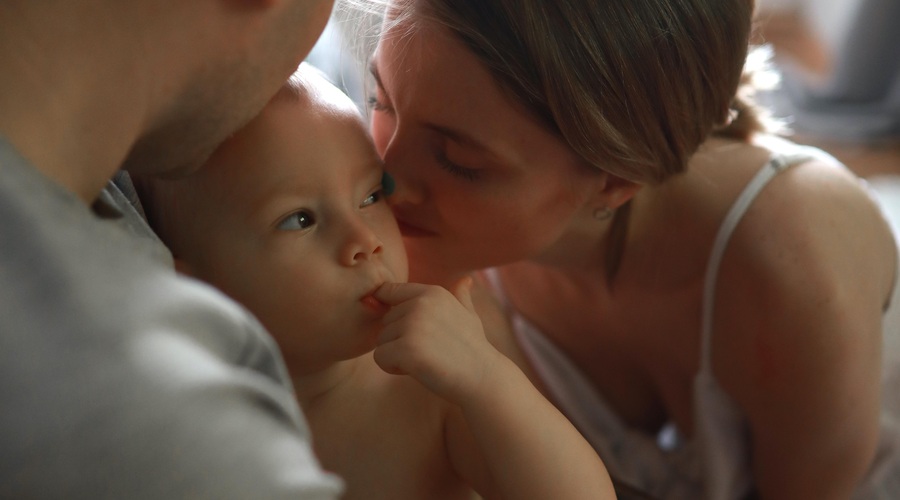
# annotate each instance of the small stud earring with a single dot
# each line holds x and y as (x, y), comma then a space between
(603, 213)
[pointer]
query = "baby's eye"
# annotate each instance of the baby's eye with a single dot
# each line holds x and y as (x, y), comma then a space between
(297, 221)
(372, 199)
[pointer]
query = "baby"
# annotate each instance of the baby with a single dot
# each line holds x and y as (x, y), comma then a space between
(405, 396)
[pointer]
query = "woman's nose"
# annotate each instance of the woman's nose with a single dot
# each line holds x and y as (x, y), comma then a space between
(407, 191)
(399, 148)
(405, 186)
(360, 244)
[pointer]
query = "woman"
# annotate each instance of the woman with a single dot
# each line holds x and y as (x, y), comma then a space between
(704, 301)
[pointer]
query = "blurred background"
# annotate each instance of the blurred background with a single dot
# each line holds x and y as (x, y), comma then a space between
(839, 68)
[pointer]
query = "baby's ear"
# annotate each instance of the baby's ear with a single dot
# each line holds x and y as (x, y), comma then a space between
(183, 267)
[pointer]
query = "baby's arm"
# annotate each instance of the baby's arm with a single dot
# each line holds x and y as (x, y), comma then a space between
(510, 442)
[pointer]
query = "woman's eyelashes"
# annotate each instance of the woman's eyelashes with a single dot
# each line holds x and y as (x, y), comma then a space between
(297, 221)
(468, 174)
(377, 105)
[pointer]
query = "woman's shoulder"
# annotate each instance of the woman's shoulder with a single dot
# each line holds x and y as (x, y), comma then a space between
(733, 163)
(812, 208)
(808, 268)
(797, 309)
(812, 224)
(799, 194)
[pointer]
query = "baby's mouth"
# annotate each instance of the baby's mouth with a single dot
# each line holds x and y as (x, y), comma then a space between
(374, 304)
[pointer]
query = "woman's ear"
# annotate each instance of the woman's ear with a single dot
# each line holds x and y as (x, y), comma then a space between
(615, 191)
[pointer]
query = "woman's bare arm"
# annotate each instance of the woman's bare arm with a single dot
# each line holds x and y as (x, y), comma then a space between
(797, 337)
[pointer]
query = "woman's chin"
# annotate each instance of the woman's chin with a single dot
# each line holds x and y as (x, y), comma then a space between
(434, 277)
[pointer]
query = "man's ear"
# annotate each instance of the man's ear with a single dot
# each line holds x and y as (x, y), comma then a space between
(182, 267)
(246, 4)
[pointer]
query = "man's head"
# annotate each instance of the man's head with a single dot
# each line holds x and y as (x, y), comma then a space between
(90, 85)
(254, 46)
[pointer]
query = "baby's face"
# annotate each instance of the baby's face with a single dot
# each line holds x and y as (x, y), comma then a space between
(303, 236)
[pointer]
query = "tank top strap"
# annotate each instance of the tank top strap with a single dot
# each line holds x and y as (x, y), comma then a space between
(773, 167)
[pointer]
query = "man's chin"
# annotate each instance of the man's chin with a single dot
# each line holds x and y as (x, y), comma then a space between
(179, 171)
(165, 160)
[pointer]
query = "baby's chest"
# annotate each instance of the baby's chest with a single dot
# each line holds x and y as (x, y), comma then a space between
(379, 470)
(392, 448)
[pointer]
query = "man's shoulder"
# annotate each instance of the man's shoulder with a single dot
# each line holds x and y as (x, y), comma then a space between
(96, 269)
(137, 383)
(121, 379)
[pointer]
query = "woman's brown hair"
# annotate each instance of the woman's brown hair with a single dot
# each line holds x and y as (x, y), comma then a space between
(634, 87)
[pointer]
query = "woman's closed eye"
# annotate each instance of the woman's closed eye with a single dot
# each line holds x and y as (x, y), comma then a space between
(297, 221)
(469, 174)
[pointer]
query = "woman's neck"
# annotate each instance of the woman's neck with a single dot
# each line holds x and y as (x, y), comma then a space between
(440, 277)
(580, 251)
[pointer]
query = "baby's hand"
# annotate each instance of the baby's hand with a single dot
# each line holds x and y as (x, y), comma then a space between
(436, 337)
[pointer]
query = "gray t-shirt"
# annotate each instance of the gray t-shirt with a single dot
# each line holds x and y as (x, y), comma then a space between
(119, 379)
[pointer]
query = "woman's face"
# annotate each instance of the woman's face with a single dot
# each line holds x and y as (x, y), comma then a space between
(479, 181)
